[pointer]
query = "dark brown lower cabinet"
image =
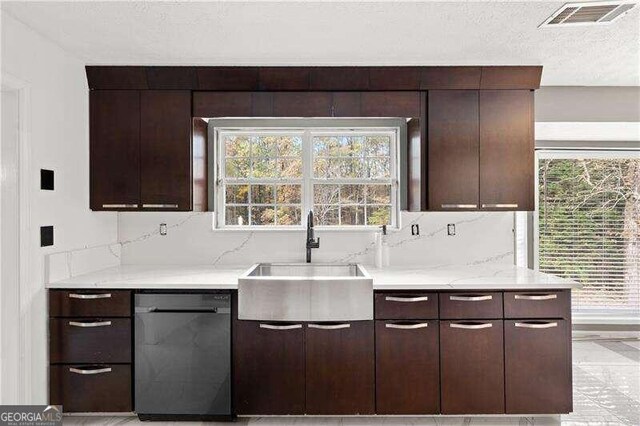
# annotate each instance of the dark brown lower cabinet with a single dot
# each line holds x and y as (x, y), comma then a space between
(407, 367)
(472, 367)
(537, 366)
(340, 368)
(90, 340)
(83, 388)
(269, 368)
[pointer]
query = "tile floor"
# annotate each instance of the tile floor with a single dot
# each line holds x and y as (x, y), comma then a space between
(606, 383)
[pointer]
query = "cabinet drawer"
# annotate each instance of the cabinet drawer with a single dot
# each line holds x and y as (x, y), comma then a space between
(83, 303)
(537, 304)
(406, 305)
(471, 305)
(90, 340)
(102, 388)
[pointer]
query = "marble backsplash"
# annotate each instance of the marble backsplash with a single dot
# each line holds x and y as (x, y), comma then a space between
(481, 238)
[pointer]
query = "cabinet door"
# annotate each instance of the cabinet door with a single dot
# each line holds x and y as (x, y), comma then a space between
(471, 367)
(390, 104)
(114, 149)
(340, 368)
(269, 368)
(302, 104)
(453, 146)
(407, 367)
(537, 366)
(506, 150)
(165, 149)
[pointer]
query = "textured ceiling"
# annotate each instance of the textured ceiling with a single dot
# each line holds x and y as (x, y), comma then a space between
(340, 33)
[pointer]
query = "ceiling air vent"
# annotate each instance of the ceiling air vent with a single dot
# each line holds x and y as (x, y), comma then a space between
(590, 13)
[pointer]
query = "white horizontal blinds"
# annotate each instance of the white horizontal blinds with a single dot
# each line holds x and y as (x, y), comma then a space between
(589, 228)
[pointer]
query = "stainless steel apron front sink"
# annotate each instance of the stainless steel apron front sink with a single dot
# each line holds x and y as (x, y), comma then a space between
(305, 292)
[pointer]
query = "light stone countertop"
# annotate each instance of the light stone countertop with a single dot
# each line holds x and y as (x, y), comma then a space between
(449, 277)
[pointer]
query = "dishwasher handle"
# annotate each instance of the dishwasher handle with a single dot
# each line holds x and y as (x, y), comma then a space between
(156, 310)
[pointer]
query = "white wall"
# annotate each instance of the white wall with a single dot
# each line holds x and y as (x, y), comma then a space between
(58, 137)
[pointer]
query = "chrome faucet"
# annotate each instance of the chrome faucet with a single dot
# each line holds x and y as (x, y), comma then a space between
(311, 241)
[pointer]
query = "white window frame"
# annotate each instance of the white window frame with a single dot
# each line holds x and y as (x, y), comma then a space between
(307, 180)
(572, 154)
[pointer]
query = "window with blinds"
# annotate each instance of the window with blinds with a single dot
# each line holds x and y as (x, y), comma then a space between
(589, 227)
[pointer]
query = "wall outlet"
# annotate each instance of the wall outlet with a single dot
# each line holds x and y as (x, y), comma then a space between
(46, 180)
(46, 236)
(163, 229)
(451, 229)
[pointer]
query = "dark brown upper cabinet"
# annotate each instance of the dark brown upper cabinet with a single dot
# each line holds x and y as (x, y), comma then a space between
(506, 150)
(227, 78)
(480, 150)
(172, 78)
(511, 77)
(390, 104)
(284, 78)
(301, 104)
(453, 149)
(114, 117)
(340, 369)
(454, 78)
(394, 78)
(339, 78)
(140, 150)
(116, 78)
(165, 150)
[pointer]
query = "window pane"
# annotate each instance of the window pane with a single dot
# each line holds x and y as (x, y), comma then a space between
(264, 168)
(236, 146)
(352, 215)
(237, 167)
(237, 194)
(262, 194)
(379, 194)
(262, 215)
(338, 146)
(290, 167)
(378, 167)
(326, 194)
(264, 146)
(289, 194)
(289, 215)
(237, 215)
(378, 146)
(326, 215)
(378, 215)
(352, 194)
(290, 146)
(588, 229)
(349, 168)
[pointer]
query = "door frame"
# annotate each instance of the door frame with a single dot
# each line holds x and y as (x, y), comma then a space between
(21, 357)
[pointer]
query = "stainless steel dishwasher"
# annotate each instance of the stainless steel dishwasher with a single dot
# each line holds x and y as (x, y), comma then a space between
(183, 355)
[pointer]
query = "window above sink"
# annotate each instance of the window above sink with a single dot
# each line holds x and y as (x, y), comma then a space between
(270, 177)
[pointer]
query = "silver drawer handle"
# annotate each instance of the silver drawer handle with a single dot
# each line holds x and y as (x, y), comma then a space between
(119, 206)
(329, 326)
(281, 327)
(471, 326)
(93, 371)
(471, 298)
(536, 324)
(159, 206)
(500, 206)
(90, 324)
(407, 299)
(459, 206)
(407, 326)
(89, 296)
(535, 296)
